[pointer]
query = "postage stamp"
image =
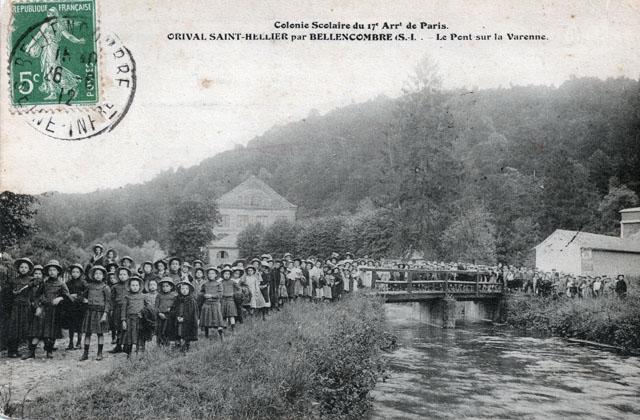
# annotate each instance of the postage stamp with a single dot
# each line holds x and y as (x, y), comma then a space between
(54, 53)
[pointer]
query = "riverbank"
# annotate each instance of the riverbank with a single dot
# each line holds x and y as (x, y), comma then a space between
(308, 360)
(607, 319)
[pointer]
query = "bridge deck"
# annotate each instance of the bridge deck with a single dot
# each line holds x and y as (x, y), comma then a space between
(419, 296)
(440, 284)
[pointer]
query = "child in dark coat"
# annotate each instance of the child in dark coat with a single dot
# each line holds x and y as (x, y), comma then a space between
(135, 304)
(20, 318)
(118, 293)
(164, 302)
(184, 314)
(74, 309)
(211, 311)
(45, 325)
(98, 301)
(229, 289)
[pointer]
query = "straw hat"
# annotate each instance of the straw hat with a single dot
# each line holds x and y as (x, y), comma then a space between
(53, 263)
(27, 261)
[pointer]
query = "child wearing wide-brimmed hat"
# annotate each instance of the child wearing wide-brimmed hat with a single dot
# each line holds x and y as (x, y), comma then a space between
(229, 289)
(242, 296)
(133, 315)
(118, 293)
(96, 318)
(98, 257)
(21, 315)
(110, 257)
(73, 310)
(148, 274)
(211, 311)
(184, 314)
(164, 302)
(45, 325)
(283, 295)
(161, 267)
(174, 269)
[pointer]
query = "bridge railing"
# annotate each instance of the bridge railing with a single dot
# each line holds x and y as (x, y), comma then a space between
(439, 281)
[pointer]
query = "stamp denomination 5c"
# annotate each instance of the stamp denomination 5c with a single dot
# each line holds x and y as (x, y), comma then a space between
(54, 53)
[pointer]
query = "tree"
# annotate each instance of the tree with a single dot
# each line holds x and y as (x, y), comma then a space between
(371, 234)
(249, 240)
(16, 217)
(471, 237)
(320, 237)
(618, 198)
(130, 236)
(600, 169)
(75, 236)
(422, 173)
(568, 198)
(280, 238)
(42, 247)
(191, 227)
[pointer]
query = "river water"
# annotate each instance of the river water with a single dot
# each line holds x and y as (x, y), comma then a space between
(478, 371)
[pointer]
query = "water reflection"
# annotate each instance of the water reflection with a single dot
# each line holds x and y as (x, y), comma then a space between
(478, 372)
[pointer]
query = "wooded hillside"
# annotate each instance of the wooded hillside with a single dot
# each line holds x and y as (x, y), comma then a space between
(455, 170)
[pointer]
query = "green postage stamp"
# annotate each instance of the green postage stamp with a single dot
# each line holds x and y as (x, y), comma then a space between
(53, 53)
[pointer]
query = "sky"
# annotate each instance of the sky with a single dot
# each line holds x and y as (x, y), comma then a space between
(196, 99)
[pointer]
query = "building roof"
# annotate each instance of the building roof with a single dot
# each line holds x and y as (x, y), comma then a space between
(561, 239)
(254, 194)
(226, 241)
(634, 209)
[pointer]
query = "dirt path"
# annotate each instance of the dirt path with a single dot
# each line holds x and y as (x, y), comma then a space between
(27, 379)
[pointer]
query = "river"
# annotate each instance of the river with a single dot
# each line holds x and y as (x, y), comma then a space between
(477, 371)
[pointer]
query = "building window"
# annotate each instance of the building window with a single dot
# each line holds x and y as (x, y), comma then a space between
(225, 221)
(262, 220)
(281, 218)
(222, 255)
(243, 220)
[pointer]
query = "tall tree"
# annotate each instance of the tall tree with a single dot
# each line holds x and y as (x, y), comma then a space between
(191, 227)
(280, 238)
(249, 240)
(471, 237)
(16, 217)
(569, 200)
(422, 174)
(619, 197)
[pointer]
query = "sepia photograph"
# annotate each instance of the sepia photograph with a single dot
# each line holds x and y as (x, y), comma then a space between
(319, 210)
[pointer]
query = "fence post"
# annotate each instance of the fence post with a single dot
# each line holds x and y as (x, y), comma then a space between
(477, 281)
(409, 280)
(446, 283)
(373, 279)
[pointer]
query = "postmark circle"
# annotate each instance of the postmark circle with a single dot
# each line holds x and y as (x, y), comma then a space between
(67, 81)
(119, 82)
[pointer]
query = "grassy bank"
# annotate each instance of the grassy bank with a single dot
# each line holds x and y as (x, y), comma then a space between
(306, 361)
(607, 320)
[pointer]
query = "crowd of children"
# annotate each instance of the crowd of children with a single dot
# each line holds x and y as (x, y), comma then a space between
(170, 299)
(173, 299)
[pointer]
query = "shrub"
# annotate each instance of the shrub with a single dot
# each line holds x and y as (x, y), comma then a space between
(606, 319)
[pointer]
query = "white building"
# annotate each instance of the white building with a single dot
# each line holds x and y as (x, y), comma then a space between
(582, 253)
(253, 201)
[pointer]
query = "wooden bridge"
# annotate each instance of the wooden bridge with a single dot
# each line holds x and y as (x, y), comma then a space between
(442, 296)
(410, 287)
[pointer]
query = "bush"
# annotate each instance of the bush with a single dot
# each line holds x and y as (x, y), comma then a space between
(606, 319)
(306, 361)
